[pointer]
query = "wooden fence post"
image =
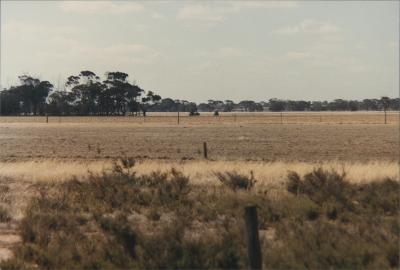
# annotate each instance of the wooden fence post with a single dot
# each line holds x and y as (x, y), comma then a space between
(205, 150)
(253, 242)
(47, 118)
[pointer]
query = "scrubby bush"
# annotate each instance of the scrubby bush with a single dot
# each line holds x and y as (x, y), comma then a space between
(321, 186)
(323, 245)
(359, 218)
(173, 248)
(236, 181)
(334, 193)
(120, 220)
(88, 224)
(380, 196)
(4, 215)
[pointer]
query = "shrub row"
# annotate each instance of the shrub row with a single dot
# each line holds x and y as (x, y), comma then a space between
(119, 220)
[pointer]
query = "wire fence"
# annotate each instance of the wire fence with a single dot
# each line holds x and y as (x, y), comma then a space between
(183, 118)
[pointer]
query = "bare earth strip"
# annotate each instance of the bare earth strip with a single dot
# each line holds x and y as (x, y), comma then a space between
(266, 142)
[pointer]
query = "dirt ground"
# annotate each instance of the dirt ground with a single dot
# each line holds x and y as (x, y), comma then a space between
(268, 142)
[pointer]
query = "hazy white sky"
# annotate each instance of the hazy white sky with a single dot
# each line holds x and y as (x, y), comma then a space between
(210, 50)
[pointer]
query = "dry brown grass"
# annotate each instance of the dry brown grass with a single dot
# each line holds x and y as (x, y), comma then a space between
(265, 142)
(32, 152)
(271, 174)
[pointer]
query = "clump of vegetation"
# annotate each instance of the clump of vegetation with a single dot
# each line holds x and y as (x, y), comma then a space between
(4, 215)
(325, 245)
(356, 218)
(333, 193)
(328, 190)
(236, 181)
(124, 166)
(175, 250)
(194, 112)
(121, 220)
(91, 224)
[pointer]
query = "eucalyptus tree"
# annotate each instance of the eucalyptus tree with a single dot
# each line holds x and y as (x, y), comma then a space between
(250, 106)
(229, 105)
(61, 103)
(120, 93)
(85, 91)
(385, 102)
(148, 101)
(32, 94)
(10, 102)
(276, 105)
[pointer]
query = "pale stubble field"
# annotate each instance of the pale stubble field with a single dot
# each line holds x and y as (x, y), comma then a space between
(250, 143)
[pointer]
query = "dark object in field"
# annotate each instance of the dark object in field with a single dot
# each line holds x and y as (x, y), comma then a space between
(253, 242)
(194, 113)
(216, 113)
(205, 150)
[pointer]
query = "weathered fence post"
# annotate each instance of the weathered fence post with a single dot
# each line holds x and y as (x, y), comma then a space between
(47, 118)
(178, 117)
(205, 150)
(253, 242)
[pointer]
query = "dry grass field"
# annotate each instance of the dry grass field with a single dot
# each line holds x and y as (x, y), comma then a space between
(268, 174)
(103, 137)
(35, 151)
(38, 157)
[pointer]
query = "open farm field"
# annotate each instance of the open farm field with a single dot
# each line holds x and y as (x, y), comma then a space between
(92, 138)
(130, 187)
(173, 134)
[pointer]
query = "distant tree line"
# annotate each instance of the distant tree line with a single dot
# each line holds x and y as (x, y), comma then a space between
(278, 105)
(84, 94)
(88, 94)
